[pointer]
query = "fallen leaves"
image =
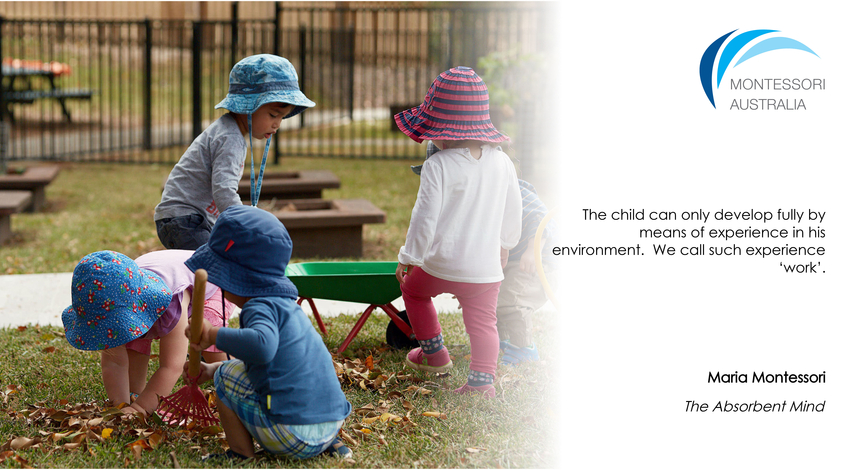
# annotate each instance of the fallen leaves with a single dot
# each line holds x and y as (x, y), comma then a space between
(24, 463)
(23, 443)
(10, 390)
(367, 376)
(81, 426)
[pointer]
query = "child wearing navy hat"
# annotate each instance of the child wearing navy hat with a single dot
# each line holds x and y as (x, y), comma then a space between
(204, 182)
(466, 217)
(120, 306)
(281, 390)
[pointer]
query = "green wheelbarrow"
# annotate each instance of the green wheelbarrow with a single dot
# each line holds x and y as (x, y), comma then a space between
(367, 282)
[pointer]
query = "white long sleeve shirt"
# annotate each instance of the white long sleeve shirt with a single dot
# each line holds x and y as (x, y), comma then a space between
(465, 211)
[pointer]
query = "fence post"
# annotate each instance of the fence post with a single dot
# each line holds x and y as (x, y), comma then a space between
(2, 97)
(351, 62)
(147, 84)
(449, 41)
(302, 50)
(196, 79)
(234, 32)
(278, 10)
(4, 134)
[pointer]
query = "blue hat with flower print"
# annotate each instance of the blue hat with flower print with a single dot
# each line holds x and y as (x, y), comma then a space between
(261, 79)
(113, 301)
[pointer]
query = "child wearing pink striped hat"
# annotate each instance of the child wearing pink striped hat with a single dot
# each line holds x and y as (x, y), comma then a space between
(466, 217)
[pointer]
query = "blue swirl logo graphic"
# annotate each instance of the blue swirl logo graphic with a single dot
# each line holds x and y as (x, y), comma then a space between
(727, 53)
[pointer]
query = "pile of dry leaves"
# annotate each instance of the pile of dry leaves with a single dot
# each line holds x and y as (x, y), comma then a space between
(75, 427)
(66, 427)
(373, 420)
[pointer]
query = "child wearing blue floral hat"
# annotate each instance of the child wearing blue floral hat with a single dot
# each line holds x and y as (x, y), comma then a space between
(281, 389)
(119, 306)
(204, 182)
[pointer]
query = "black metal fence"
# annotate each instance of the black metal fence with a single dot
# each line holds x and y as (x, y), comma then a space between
(140, 91)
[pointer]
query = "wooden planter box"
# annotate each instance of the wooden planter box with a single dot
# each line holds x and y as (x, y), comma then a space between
(33, 179)
(304, 184)
(326, 228)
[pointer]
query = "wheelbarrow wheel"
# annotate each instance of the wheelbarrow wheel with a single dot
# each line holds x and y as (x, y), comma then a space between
(396, 338)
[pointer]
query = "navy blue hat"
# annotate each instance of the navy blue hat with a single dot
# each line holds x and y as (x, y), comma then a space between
(261, 79)
(247, 254)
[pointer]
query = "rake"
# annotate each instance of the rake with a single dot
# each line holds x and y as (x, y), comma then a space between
(188, 405)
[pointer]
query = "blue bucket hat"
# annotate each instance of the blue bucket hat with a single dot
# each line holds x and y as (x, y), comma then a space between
(261, 79)
(113, 301)
(247, 254)
(258, 80)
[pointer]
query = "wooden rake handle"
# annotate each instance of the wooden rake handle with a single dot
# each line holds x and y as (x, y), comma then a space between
(197, 321)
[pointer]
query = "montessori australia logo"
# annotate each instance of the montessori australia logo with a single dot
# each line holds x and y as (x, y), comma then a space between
(751, 44)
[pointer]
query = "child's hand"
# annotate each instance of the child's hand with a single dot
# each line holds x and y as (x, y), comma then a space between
(527, 263)
(401, 271)
(208, 336)
(503, 257)
(133, 409)
(207, 372)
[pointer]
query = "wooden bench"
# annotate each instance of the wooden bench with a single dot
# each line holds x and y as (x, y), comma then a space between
(11, 202)
(326, 228)
(304, 184)
(33, 179)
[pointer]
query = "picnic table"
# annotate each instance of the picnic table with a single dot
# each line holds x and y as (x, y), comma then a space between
(30, 73)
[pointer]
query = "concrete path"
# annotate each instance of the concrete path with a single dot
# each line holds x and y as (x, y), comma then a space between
(41, 298)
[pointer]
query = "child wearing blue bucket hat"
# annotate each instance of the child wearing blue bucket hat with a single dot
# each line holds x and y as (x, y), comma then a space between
(263, 91)
(119, 306)
(281, 390)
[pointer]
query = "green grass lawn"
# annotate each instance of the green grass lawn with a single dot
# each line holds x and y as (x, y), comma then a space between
(42, 375)
(53, 402)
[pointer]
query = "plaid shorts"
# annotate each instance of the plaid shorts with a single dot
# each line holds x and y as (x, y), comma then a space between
(235, 391)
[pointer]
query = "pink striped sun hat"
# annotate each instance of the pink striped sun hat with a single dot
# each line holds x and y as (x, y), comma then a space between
(456, 107)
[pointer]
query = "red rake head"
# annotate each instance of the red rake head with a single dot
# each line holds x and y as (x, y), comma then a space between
(187, 405)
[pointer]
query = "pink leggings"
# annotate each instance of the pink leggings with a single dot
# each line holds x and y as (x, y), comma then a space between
(477, 302)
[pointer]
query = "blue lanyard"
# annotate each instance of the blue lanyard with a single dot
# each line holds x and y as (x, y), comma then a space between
(255, 187)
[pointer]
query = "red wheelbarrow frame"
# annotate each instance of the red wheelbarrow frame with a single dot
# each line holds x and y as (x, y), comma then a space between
(388, 308)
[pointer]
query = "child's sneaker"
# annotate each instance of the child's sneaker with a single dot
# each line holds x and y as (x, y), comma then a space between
(338, 449)
(514, 355)
(489, 391)
(438, 362)
(504, 344)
